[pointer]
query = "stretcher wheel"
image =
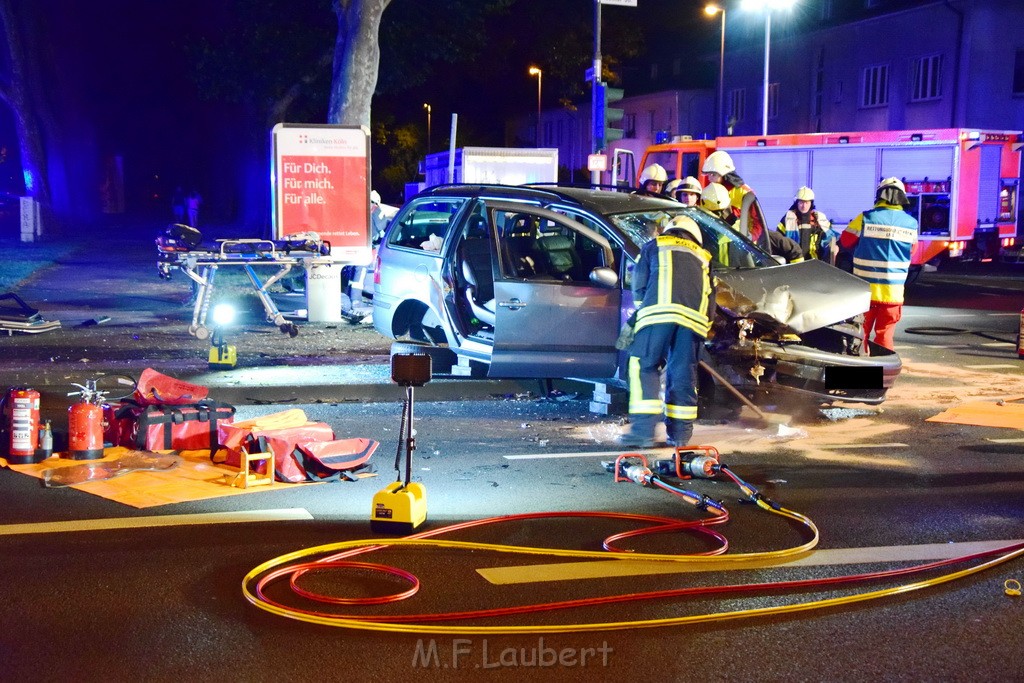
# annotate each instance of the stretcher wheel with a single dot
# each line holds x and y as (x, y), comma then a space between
(291, 329)
(202, 333)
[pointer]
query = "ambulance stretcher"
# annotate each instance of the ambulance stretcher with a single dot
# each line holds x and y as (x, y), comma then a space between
(181, 247)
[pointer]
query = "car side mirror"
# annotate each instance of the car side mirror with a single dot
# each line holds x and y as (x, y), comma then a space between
(603, 276)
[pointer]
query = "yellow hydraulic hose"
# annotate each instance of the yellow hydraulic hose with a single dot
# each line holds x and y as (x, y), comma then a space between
(755, 558)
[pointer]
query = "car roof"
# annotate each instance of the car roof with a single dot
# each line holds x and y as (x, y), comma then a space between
(604, 202)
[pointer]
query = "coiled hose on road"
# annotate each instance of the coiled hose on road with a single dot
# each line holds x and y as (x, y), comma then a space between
(335, 556)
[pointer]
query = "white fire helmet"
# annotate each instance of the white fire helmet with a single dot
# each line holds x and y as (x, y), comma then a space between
(805, 194)
(718, 162)
(687, 225)
(655, 172)
(715, 197)
(691, 185)
(893, 182)
(374, 197)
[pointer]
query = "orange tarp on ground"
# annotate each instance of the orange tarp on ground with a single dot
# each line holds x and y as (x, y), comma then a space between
(1001, 414)
(195, 479)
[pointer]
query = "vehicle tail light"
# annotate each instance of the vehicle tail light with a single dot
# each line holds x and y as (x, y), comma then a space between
(376, 270)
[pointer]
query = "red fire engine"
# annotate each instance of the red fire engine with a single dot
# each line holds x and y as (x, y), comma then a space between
(963, 184)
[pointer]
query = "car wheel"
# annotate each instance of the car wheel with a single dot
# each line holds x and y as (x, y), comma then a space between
(441, 357)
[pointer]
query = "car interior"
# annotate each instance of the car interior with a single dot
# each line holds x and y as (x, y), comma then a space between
(477, 273)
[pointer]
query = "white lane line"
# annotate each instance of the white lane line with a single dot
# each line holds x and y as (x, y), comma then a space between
(1011, 344)
(996, 315)
(863, 445)
(615, 454)
(995, 366)
(281, 515)
(1006, 440)
(602, 569)
(593, 454)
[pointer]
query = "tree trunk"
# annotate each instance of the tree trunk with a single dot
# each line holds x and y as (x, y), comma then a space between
(17, 93)
(356, 60)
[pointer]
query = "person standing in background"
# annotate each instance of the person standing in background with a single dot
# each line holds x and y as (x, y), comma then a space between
(194, 201)
(808, 227)
(178, 204)
(882, 240)
(719, 168)
(685, 191)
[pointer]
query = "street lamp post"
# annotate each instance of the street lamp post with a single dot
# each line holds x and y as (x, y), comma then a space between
(766, 6)
(534, 71)
(427, 107)
(712, 10)
(767, 54)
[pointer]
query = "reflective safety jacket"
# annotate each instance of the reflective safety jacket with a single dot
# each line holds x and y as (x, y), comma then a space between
(885, 237)
(672, 284)
(815, 240)
(747, 209)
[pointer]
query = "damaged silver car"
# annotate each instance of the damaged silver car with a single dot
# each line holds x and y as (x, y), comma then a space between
(535, 282)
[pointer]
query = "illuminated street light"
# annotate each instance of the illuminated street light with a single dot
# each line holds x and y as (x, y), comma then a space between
(534, 71)
(427, 107)
(766, 6)
(711, 10)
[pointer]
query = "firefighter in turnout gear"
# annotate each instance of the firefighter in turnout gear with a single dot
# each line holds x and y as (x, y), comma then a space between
(685, 190)
(675, 297)
(719, 168)
(715, 200)
(882, 239)
(808, 227)
(652, 180)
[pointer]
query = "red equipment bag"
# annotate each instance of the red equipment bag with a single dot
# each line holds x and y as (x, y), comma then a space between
(307, 452)
(332, 459)
(154, 388)
(281, 442)
(188, 427)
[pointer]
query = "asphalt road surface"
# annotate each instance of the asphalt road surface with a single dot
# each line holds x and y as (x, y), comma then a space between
(155, 594)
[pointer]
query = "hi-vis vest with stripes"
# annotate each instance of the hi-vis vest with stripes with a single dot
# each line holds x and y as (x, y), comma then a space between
(672, 284)
(882, 255)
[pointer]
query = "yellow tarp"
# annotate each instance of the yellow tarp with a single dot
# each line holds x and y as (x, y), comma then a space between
(999, 414)
(195, 479)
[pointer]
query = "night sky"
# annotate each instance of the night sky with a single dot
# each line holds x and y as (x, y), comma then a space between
(126, 80)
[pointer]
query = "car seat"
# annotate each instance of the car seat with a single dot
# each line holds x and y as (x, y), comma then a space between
(475, 264)
(558, 257)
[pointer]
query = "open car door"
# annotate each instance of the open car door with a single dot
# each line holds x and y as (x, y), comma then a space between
(557, 298)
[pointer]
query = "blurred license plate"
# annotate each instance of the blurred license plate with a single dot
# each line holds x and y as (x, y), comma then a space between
(864, 377)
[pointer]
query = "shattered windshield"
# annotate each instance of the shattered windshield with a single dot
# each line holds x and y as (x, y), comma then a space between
(729, 250)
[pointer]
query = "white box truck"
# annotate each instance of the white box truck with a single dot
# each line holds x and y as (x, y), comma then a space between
(492, 165)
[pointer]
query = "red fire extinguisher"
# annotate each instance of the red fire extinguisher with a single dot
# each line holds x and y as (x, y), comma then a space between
(85, 423)
(21, 422)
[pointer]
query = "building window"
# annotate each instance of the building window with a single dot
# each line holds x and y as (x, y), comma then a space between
(629, 125)
(818, 86)
(773, 100)
(927, 78)
(875, 87)
(737, 104)
(1018, 73)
